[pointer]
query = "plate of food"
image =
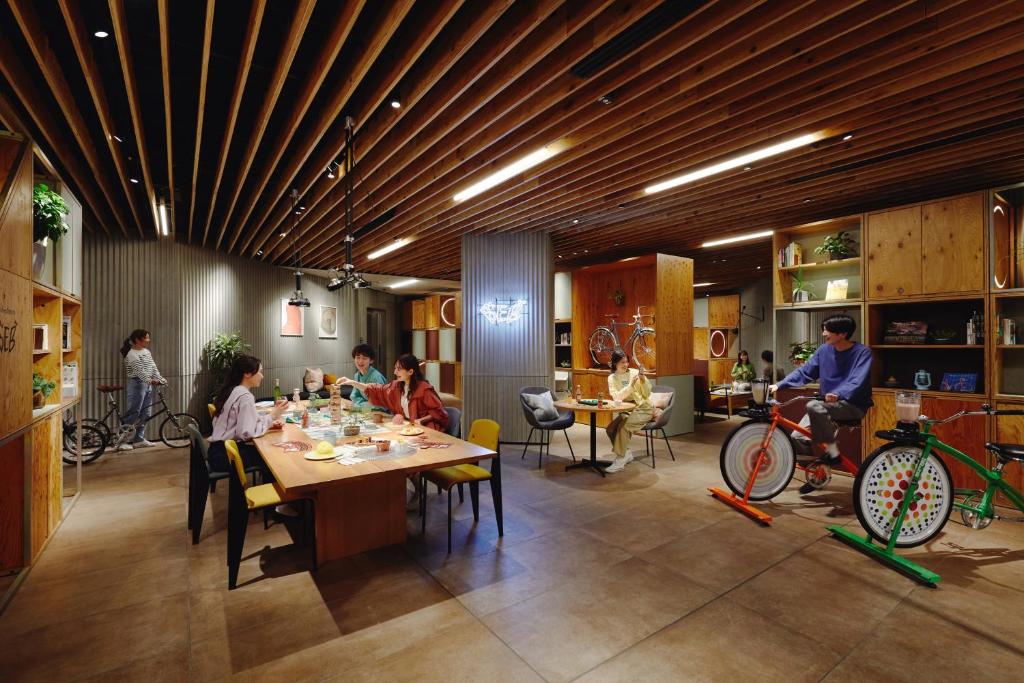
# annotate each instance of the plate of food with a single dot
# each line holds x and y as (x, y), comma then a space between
(410, 430)
(264, 404)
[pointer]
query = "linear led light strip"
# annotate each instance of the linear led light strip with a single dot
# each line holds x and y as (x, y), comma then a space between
(515, 168)
(397, 244)
(403, 283)
(735, 162)
(739, 238)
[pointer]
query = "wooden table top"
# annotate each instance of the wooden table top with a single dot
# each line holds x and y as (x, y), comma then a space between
(606, 408)
(296, 474)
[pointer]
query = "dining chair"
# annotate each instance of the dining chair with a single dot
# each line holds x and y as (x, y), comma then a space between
(201, 480)
(482, 433)
(565, 419)
(210, 408)
(244, 498)
(658, 423)
(454, 422)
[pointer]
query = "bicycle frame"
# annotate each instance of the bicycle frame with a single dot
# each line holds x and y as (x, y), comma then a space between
(114, 409)
(775, 418)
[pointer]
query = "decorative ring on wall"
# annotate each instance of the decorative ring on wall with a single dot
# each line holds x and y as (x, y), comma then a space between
(717, 344)
(444, 318)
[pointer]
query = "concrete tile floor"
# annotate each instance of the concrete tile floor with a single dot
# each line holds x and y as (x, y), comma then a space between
(638, 576)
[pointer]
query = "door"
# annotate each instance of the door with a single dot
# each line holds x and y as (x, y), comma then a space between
(376, 337)
(894, 253)
(953, 245)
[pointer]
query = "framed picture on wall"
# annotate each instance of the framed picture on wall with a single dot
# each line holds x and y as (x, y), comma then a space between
(293, 319)
(328, 322)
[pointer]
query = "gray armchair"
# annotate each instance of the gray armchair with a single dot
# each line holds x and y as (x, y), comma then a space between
(658, 423)
(565, 419)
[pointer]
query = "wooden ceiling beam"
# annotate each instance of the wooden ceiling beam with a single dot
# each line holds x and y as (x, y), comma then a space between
(34, 34)
(337, 37)
(300, 20)
(204, 71)
(119, 19)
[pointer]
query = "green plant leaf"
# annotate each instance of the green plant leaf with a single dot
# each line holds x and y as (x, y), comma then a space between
(48, 211)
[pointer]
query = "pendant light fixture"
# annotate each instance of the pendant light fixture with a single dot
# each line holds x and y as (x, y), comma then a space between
(347, 276)
(297, 298)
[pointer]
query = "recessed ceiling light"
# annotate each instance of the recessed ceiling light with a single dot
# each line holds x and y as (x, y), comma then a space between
(738, 238)
(807, 201)
(134, 180)
(395, 103)
(759, 267)
(260, 253)
(735, 162)
(302, 208)
(604, 99)
(387, 249)
(101, 34)
(747, 168)
(403, 283)
(575, 221)
(515, 168)
(284, 234)
(848, 136)
(117, 138)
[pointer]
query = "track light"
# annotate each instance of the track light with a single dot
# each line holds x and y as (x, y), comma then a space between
(297, 298)
(330, 172)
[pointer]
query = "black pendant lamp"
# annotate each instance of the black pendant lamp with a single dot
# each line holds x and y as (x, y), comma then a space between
(297, 298)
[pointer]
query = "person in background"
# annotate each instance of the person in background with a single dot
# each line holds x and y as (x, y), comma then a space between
(408, 397)
(742, 370)
(627, 384)
(364, 357)
(142, 375)
(768, 369)
(843, 370)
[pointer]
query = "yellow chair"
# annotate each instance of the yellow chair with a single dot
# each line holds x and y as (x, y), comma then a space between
(212, 409)
(243, 499)
(482, 433)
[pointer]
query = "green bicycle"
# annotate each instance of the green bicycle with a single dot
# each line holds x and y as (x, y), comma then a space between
(905, 487)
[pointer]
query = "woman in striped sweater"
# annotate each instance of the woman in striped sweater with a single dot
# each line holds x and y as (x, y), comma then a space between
(142, 375)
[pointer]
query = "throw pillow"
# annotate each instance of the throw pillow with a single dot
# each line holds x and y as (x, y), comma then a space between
(660, 400)
(330, 379)
(543, 406)
(313, 380)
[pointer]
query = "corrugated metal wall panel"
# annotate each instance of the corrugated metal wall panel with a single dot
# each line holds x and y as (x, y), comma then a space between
(184, 295)
(498, 359)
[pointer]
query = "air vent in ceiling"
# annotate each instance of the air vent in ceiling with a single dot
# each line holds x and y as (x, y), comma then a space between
(654, 23)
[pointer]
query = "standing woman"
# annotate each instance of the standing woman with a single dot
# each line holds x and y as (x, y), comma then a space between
(742, 369)
(408, 396)
(142, 375)
(626, 384)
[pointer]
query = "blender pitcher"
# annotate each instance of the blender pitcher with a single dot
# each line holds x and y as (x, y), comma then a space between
(908, 409)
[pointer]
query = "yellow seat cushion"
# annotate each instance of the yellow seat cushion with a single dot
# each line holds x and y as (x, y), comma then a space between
(446, 477)
(261, 496)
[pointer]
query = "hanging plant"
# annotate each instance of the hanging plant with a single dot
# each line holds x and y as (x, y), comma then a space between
(48, 211)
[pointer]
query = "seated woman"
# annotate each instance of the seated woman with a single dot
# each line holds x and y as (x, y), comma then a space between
(626, 384)
(408, 397)
(235, 416)
(743, 369)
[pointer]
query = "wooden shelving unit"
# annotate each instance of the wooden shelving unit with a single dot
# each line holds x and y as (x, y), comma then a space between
(817, 270)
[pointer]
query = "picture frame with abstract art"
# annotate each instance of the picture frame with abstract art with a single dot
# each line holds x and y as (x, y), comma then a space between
(328, 322)
(293, 319)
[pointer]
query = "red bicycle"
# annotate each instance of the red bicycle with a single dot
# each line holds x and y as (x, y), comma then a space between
(758, 459)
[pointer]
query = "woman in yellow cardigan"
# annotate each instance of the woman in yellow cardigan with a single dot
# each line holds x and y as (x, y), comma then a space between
(626, 384)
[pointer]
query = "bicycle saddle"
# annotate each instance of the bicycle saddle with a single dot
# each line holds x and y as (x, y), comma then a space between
(104, 388)
(1007, 451)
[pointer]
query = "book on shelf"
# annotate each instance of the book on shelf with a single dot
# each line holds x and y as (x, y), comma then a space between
(912, 332)
(791, 255)
(69, 379)
(837, 290)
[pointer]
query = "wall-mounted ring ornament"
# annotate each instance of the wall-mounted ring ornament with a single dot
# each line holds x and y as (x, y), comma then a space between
(718, 344)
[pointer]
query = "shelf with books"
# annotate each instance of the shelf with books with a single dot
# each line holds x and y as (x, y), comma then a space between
(801, 275)
(1007, 365)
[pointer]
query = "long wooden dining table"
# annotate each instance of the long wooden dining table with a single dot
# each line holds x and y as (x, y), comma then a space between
(361, 506)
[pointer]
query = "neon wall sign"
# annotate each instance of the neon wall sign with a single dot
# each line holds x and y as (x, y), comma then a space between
(503, 311)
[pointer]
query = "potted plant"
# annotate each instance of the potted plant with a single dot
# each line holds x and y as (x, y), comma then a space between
(220, 352)
(837, 246)
(48, 211)
(41, 390)
(801, 288)
(799, 352)
(944, 336)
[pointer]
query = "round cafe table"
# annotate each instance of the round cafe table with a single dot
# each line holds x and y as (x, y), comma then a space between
(606, 407)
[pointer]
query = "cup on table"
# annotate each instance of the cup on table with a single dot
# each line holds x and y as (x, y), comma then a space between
(383, 445)
(377, 417)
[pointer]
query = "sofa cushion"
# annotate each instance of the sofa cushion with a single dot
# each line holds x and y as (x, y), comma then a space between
(313, 380)
(660, 400)
(330, 379)
(543, 406)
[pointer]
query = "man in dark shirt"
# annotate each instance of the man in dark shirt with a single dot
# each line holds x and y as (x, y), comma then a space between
(842, 368)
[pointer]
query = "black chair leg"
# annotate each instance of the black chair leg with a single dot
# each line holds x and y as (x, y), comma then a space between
(527, 446)
(496, 498)
(474, 496)
(423, 506)
(449, 521)
(237, 524)
(213, 486)
(199, 510)
(569, 441)
(543, 440)
(461, 499)
(266, 518)
(667, 444)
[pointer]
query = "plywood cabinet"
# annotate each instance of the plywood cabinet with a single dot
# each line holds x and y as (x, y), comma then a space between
(1009, 429)
(894, 253)
(953, 245)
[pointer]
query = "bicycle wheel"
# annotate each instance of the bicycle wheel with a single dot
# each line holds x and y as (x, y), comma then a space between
(601, 344)
(174, 430)
(881, 485)
(739, 455)
(94, 442)
(100, 425)
(643, 350)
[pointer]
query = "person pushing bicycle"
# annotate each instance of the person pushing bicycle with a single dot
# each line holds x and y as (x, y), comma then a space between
(842, 368)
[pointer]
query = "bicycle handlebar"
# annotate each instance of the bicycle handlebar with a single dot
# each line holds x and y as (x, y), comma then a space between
(986, 409)
(774, 402)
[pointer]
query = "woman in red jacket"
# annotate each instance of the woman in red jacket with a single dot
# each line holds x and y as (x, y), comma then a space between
(409, 397)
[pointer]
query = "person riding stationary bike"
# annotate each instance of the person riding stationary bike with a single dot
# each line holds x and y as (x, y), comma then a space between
(842, 368)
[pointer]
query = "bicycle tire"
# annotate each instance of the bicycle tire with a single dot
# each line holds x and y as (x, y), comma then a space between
(94, 443)
(601, 344)
(173, 430)
(100, 425)
(739, 454)
(642, 350)
(878, 492)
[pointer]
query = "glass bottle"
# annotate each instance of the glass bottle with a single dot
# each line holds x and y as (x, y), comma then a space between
(579, 393)
(277, 391)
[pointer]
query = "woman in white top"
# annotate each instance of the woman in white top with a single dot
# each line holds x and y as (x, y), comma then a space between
(142, 375)
(625, 384)
(235, 415)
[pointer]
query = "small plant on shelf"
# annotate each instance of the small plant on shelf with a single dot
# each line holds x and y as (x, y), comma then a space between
(48, 211)
(41, 390)
(801, 288)
(943, 336)
(837, 246)
(799, 352)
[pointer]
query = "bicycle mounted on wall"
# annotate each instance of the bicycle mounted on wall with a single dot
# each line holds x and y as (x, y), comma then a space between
(604, 340)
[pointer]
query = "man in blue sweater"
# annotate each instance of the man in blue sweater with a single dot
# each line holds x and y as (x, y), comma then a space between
(842, 368)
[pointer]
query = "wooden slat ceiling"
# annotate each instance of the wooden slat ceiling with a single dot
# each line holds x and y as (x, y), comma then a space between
(220, 108)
